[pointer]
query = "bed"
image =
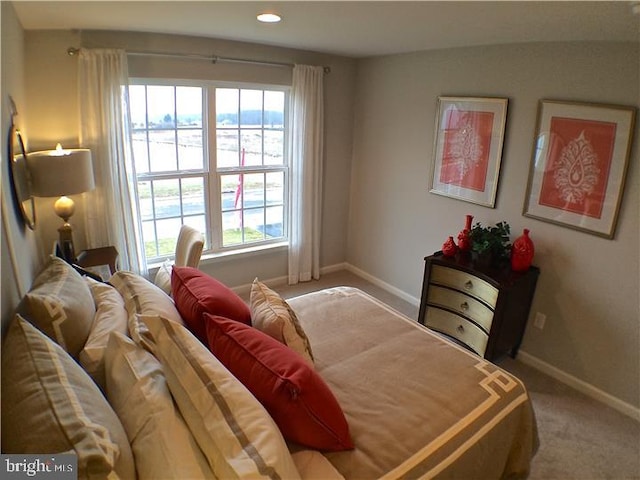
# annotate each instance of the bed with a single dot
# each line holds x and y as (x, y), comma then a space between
(138, 384)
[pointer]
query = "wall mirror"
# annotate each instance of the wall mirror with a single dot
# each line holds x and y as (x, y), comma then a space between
(19, 174)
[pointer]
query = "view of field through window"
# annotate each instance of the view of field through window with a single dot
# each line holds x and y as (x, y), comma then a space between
(176, 169)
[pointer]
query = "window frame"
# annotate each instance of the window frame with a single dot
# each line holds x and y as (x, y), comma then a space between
(212, 175)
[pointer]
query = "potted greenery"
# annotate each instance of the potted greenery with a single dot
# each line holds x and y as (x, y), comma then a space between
(490, 245)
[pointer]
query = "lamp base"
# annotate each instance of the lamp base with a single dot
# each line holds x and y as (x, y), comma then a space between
(66, 242)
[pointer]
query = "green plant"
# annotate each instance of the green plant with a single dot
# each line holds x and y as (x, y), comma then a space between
(491, 240)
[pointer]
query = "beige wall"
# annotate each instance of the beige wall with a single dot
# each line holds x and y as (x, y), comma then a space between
(19, 244)
(52, 110)
(589, 286)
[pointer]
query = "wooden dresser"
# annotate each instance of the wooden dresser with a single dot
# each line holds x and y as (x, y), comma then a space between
(483, 308)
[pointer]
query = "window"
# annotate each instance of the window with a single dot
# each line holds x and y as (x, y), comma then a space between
(228, 178)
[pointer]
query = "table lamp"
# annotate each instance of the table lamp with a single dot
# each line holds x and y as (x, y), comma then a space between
(58, 173)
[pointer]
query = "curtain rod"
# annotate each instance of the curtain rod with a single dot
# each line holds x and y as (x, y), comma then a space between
(72, 51)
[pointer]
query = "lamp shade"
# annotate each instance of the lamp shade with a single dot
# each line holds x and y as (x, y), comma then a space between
(60, 172)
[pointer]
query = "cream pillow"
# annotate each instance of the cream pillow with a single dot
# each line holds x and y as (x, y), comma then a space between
(60, 304)
(162, 444)
(111, 316)
(141, 297)
(233, 429)
(271, 314)
(163, 277)
(50, 405)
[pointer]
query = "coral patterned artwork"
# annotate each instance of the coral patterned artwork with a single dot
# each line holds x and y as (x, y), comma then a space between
(578, 165)
(467, 143)
(467, 148)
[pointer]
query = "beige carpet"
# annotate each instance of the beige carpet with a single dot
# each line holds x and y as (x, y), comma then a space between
(580, 438)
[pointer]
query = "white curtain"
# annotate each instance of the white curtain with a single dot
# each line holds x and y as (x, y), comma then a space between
(306, 151)
(104, 128)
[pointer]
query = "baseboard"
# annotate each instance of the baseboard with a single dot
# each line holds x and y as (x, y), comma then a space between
(580, 385)
(384, 285)
(336, 267)
(282, 280)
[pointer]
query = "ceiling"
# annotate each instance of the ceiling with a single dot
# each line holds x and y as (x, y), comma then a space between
(353, 29)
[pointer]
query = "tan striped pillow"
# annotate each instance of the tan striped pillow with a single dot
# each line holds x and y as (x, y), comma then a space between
(233, 429)
(50, 405)
(271, 314)
(60, 304)
(163, 446)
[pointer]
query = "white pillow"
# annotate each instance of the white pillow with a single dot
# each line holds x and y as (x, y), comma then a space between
(110, 316)
(233, 429)
(162, 444)
(141, 297)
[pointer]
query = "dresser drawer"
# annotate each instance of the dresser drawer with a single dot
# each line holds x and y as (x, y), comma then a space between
(462, 304)
(460, 299)
(465, 282)
(457, 327)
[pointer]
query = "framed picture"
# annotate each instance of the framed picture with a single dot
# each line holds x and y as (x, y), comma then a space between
(579, 164)
(468, 148)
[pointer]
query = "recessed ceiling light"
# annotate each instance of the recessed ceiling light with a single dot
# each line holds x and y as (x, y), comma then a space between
(269, 18)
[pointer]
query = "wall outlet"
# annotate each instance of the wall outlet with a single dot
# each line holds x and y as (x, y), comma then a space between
(539, 320)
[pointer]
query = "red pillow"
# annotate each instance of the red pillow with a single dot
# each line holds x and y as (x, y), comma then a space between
(195, 293)
(296, 397)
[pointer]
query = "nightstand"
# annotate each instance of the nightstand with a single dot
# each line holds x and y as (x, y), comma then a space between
(482, 308)
(97, 257)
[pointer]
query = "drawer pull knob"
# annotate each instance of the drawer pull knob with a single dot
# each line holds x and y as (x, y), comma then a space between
(460, 329)
(468, 285)
(464, 306)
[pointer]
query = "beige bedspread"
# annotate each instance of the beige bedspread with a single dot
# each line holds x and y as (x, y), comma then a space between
(417, 405)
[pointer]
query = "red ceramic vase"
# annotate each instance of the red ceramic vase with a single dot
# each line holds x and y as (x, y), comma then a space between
(449, 248)
(464, 242)
(522, 252)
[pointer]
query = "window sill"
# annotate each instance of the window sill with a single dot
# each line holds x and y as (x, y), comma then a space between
(210, 258)
(244, 253)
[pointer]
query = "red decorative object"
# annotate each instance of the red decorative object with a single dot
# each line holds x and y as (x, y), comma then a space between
(449, 248)
(522, 252)
(464, 242)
